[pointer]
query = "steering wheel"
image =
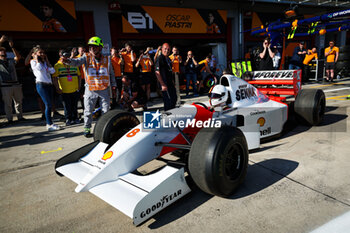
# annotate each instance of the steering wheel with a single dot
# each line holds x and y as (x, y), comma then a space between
(201, 104)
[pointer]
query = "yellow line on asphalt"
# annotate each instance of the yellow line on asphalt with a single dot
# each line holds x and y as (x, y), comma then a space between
(340, 97)
(327, 85)
(44, 152)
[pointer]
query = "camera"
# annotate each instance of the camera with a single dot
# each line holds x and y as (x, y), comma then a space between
(66, 54)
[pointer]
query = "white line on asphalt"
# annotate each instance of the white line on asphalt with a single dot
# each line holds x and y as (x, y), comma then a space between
(343, 88)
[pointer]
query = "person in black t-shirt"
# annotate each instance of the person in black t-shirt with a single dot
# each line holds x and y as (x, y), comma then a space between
(163, 70)
(266, 56)
(296, 62)
(132, 95)
(191, 73)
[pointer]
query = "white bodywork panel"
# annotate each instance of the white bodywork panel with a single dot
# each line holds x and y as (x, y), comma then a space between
(108, 174)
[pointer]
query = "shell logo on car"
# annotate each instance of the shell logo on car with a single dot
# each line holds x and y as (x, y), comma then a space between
(108, 155)
(261, 121)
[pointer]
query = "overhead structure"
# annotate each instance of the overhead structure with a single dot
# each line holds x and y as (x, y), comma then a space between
(334, 3)
(324, 20)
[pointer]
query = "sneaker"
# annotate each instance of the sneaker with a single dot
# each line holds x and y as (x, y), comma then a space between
(22, 119)
(87, 132)
(76, 121)
(57, 114)
(68, 123)
(52, 127)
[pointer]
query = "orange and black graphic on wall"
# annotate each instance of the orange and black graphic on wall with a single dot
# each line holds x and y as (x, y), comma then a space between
(38, 15)
(151, 19)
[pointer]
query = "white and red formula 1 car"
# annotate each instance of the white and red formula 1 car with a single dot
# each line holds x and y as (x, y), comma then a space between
(218, 157)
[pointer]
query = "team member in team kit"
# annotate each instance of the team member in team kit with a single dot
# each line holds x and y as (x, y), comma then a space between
(309, 57)
(50, 24)
(67, 82)
(146, 64)
(176, 60)
(331, 53)
(117, 63)
(99, 76)
(212, 28)
(163, 70)
(129, 58)
(204, 70)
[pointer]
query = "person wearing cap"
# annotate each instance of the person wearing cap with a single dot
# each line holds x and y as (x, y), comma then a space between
(67, 82)
(99, 76)
(11, 89)
(296, 62)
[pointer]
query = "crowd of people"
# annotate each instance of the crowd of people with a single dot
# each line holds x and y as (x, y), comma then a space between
(123, 78)
(119, 80)
(269, 58)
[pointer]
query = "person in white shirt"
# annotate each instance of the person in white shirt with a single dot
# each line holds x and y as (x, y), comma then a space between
(42, 71)
(276, 59)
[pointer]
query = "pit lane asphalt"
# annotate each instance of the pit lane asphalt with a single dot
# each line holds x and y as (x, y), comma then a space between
(294, 184)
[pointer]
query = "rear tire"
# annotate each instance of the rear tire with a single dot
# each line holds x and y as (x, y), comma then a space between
(218, 160)
(112, 125)
(310, 106)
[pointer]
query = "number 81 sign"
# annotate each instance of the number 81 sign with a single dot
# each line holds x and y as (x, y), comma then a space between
(139, 21)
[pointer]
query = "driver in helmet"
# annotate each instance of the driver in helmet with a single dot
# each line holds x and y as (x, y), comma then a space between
(218, 96)
(99, 76)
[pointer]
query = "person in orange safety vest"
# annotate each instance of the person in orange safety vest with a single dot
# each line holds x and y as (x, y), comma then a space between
(99, 76)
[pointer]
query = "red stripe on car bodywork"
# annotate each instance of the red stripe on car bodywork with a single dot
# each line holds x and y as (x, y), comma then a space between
(202, 114)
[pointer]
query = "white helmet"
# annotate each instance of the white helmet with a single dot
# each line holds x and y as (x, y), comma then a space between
(218, 95)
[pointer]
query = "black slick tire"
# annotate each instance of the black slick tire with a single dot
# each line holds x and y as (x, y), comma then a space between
(218, 160)
(113, 125)
(310, 106)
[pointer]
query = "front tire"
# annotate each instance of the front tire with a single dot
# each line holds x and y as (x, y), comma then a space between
(112, 125)
(218, 160)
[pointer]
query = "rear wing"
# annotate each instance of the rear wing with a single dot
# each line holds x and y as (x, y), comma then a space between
(276, 82)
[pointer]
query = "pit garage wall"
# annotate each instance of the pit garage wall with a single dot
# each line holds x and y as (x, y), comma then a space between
(101, 22)
(100, 16)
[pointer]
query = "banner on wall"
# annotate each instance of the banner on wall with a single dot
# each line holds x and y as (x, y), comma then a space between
(38, 15)
(151, 19)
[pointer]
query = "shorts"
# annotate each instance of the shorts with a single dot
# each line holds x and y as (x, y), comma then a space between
(145, 78)
(330, 65)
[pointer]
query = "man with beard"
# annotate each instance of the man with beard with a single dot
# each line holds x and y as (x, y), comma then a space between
(99, 76)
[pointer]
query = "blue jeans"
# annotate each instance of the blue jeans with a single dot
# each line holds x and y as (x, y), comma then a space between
(45, 92)
(193, 77)
(70, 103)
(293, 67)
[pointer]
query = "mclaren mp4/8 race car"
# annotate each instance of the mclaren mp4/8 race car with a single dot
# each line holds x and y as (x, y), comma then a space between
(214, 139)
